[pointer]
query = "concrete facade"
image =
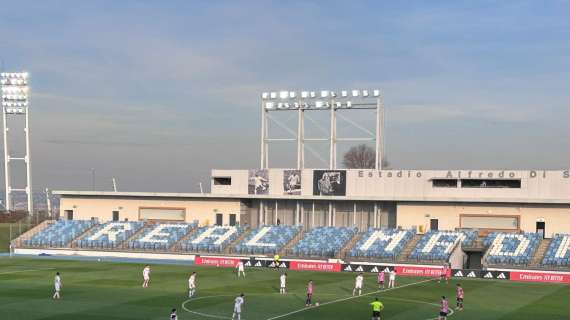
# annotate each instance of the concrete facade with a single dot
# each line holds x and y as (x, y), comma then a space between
(485, 199)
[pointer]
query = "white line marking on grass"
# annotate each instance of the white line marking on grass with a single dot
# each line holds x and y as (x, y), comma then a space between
(227, 295)
(27, 270)
(346, 299)
(451, 312)
(204, 314)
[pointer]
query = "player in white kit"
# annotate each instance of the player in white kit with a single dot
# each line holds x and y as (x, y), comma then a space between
(358, 284)
(283, 282)
(192, 285)
(57, 286)
(238, 302)
(240, 269)
(392, 282)
(146, 276)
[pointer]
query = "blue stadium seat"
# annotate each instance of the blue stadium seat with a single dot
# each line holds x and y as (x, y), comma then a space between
(59, 234)
(212, 239)
(381, 243)
(324, 241)
(511, 248)
(558, 252)
(267, 239)
(109, 235)
(160, 236)
(438, 245)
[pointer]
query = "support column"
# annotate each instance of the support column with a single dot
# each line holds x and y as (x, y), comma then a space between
(28, 160)
(302, 220)
(301, 139)
(332, 155)
(330, 214)
(262, 149)
(313, 215)
(379, 133)
(6, 161)
(375, 215)
(276, 213)
(296, 221)
(354, 215)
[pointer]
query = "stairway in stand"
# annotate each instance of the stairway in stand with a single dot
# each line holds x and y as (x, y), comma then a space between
(229, 247)
(403, 257)
(539, 253)
(32, 232)
(135, 235)
(350, 244)
(73, 242)
(291, 243)
(175, 246)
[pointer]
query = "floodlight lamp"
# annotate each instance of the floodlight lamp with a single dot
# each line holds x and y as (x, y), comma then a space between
(319, 104)
(327, 105)
(269, 105)
(344, 93)
(324, 94)
(286, 105)
(355, 93)
(292, 94)
(273, 95)
(304, 94)
(305, 106)
(264, 95)
(313, 94)
(296, 105)
(280, 105)
(338, 104)
(283, 94)
(376, 93)
(349, 104)
(365, 93)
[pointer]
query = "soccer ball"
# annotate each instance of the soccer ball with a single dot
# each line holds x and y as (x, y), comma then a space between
(316, 304)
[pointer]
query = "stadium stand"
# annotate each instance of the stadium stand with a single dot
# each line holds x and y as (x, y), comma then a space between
(437, 245)
(160, 236)
(510, 248)
(212, 239)
(324, 241)
(267, 239)
(109, 235)
(59, 234)
(558, 252)
(381, 243)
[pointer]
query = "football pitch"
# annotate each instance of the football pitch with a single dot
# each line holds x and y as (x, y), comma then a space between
(110, 290)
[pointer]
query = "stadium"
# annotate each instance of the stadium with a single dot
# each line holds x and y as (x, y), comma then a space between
(498, 232)
(285, 160)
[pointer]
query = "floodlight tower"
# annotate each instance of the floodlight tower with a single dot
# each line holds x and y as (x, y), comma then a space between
(15, 94)
(335, 102)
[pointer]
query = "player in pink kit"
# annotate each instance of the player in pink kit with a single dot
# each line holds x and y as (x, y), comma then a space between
(444, 308)
(308, 303)
(442, 274)
(381, 280)
(447, 273)
(460, 295)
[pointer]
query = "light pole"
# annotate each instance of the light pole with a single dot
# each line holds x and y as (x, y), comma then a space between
(15, 101)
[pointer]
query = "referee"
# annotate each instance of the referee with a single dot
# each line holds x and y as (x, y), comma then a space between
(377, 306)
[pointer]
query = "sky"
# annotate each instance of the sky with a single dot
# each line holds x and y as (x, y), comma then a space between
(157, 93)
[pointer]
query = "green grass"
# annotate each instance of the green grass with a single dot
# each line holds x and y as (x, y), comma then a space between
(103, 290)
